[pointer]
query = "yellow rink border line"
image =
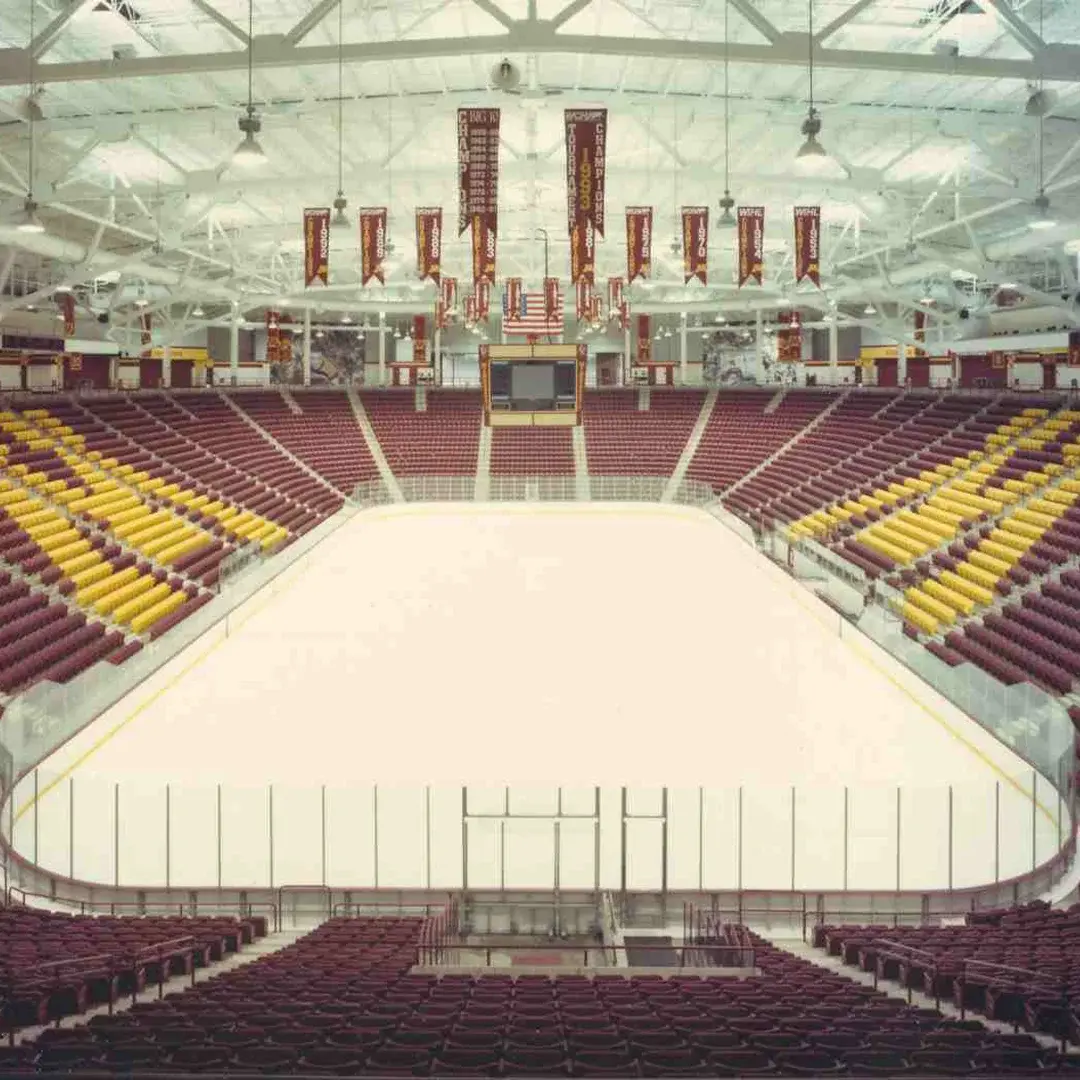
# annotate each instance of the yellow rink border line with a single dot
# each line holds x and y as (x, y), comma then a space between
(382, 512)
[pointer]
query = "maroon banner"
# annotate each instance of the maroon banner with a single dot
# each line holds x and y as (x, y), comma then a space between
(146, 321)
(273, 336)
(920, 325)
(583, 299)
(429, 242)
(586, 141)
(614, 295)
(478, 166)
(751, 244)
(448, 287)
(789, 336)
(67, 309)
(483, 300)
(419, 340)
(551, 297)
(1074, 348)
(483, 250)
(74, 361)
(644, 339)
(624, 316)
(514, 296)
(583, 253)
(695, 244)
(808, 244)
(470, 310)
(316, 246)
(441, 319)
(372, 243)
(596, 308)
(638, 242)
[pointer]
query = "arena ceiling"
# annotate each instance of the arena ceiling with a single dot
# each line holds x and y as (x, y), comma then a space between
(936, 114)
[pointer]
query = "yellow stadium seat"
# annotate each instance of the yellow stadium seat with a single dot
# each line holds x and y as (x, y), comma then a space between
(112, 600)
(985, 561)
(144, 620)
(135, 525)
(94, 590)
(80, 562)
(127, 611)
(85, 578)
(68, 550)
(1010, 539)
(999, 551)
(942, 612)
(956, 600)
(919, 618)
(166, 540)
(183, 547)
(979, 593)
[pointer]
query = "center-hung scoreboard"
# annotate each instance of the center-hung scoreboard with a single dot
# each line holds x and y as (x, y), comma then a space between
(533, 385)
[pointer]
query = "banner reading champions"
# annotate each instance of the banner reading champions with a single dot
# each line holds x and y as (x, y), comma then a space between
(478, 186)
(586, 142)
(429, 242)
(316, 246)
(695, 243)
(372, 244)
(638, 242)
(751, 244)
(808, 244)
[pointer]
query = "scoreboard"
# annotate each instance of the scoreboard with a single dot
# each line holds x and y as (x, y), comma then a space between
(540, 385)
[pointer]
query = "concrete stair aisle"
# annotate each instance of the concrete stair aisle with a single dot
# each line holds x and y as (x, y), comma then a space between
(835, 965)
(644, 397)
(783, 448)
(421, 397)
(385, 472)
(775, 401)
(261, 947)
(582, 485)
(482, 484)
(671, 488)
(294, 405)
(267, 437)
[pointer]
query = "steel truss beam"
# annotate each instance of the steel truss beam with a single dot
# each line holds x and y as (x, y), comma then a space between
(1054, 63)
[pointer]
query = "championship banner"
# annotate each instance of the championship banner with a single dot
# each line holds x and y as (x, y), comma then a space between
(1074, 348)
(583, 252)
(419, 340)
(448, 287)
(624, 316)
(920, 325)
(551, 296)
(372, 243)
(638, 242)
(428, 242)
(808, 244)
(583, 299)
(999, 359)
(441, 319)
(483, 250)
(596, 309)
(614, 295)
(789, 336)
(514, 295)
(695, 244)
(478, 167)
(74, 361)
(273, 336)
(67, 309)
(586, 141)
(644, 340)
(483, 301)
(470, 310)
(751, 244)
(145, 321)
(316, 247)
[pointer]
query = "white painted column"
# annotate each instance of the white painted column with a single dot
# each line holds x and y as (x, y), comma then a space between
(166, 366)
(234, 343)
(682, 348)
(624, 373)
(436, 360)
(382, 348)
(307, 347)
(901, 363)
(834, 351)
(759, 341)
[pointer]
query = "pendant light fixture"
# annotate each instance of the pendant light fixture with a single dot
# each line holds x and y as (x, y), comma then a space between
(340, 220)
(1041, 217)
(29, 222)
(811, 158)
(249, 154)
(727, 203)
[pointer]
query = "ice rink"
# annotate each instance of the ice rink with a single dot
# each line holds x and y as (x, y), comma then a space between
(529, 646)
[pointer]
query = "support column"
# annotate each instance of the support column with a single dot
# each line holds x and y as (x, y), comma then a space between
(382, 348)
(759, 341)
(166, 366)
(624, 373)
(682, 349)
(436, 360)
(901, 363)
(307, 347)
(234, 344)
(834, 351)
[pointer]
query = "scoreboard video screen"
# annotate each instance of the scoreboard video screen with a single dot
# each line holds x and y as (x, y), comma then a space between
(532, 384)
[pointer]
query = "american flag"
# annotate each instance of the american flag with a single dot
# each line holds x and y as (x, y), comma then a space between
(531, 318)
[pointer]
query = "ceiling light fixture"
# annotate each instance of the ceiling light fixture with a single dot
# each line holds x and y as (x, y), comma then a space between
(869, 309)
(29, 222)
(346, 319)
(197, 312)
(249, 154)
(811, 158)
(340, 220)
(1040, 215)
(720, 320)
(727, 203)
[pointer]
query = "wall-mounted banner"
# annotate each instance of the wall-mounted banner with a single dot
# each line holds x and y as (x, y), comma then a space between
(316, 246)
(470, 310)
(419, 340)
(483, 250)
(448, 288)
(583, 252)
(583, 300)
(1074, 348)
(515, 298)
(551, 297)
(638, 242)
(789, 336)
(644, 340)
(372, 243)
(614, 295)
(808, 244)
(478, 167)
(695, 244)
(67, 309)
(483, 301)
(429, 242)
(146, 321)
(586, 141)
(751, 244)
